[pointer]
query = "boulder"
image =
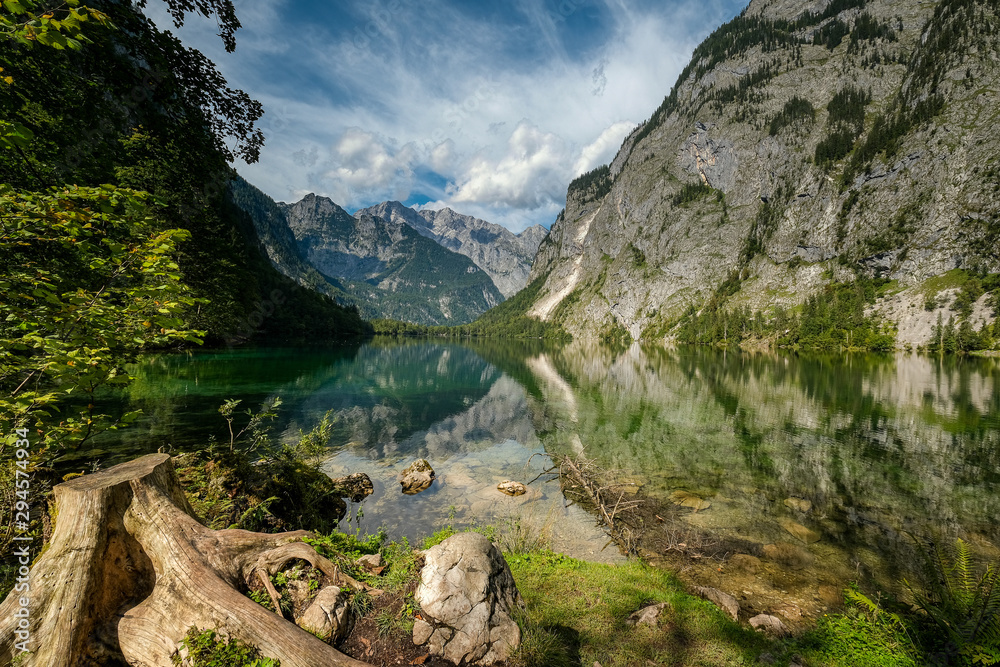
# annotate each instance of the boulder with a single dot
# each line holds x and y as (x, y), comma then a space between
(648, 615)
(326, 617)
(770, 625)
(800, 504)
(467, 595)
(723, 601)
(511, 488)
(799, 531)
(355, 487)
(417, 477)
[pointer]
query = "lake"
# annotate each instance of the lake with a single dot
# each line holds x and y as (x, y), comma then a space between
(837, 460)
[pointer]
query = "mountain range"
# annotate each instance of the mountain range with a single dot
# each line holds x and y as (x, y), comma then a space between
(428, 267)
(506, 257)
(806, 144)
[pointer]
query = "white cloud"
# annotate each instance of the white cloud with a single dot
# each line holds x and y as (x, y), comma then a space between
(361, 114)
(528, 175)
(367, 164)
(603, 149)
(443, 157)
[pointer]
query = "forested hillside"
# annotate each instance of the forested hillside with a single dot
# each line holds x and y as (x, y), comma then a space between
(133, 108)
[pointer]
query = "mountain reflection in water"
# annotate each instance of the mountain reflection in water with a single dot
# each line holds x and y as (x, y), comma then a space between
(859, 450)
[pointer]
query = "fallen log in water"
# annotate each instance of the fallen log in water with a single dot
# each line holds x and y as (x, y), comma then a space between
(581, 477)
(129, 570)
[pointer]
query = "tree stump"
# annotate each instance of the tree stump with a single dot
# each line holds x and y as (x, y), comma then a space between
(129, 570)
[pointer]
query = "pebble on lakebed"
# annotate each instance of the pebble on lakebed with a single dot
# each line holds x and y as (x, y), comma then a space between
(511, 488)
(685, 499)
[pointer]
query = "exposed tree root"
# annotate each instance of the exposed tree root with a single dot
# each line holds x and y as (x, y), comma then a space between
(129, 570)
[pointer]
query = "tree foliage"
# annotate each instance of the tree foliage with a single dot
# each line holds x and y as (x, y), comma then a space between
(833, 319)
(90, 280)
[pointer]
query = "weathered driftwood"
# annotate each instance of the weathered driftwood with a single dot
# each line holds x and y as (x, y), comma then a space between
(129, 570)
(608, 499)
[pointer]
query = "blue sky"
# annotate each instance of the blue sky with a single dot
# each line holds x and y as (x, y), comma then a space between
(491, 108)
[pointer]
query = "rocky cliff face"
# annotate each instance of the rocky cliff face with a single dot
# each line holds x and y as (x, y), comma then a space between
(388, 268)
(277, 242)
(806, 142)
(504, 256)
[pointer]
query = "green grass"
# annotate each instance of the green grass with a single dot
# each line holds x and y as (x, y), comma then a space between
(206, 648)
(856, 640)
(951, 279)
(576, 613)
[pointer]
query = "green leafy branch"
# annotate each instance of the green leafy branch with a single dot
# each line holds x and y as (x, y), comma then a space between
(61, 27)
(91, 281)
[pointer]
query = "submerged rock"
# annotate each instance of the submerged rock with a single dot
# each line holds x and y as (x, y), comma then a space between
(799, 531)
(355, 487)
(800, 504)
(327, 615)
(417, 477)
(685, 499)
(467, 595)
(745, 563)
(511, 488)
(788, 555)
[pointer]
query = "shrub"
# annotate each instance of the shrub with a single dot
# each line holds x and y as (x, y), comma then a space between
(206, 648)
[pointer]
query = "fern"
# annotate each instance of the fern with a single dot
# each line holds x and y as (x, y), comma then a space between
(875, 611)
(963, 605)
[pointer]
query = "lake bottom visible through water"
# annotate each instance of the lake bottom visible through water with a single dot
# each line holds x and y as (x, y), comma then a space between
(782, 478)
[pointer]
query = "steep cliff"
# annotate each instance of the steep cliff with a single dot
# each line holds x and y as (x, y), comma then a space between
(277, 242)
(504, 256)
(805, 143)
(386, 267)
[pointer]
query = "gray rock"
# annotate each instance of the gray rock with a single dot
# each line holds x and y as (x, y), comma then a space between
(467, 595)
(648, 615)
(417, 477)
(723, 601)
(389, 267)
(370, 561)
(327, 615)
(770, 625)
(356, 486)
(504, 256)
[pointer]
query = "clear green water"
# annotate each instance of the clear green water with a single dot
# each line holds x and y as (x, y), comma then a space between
(879, 446)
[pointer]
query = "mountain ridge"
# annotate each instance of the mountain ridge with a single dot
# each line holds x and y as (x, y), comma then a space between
(386, 267)
(804, 144)
(506, 257)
